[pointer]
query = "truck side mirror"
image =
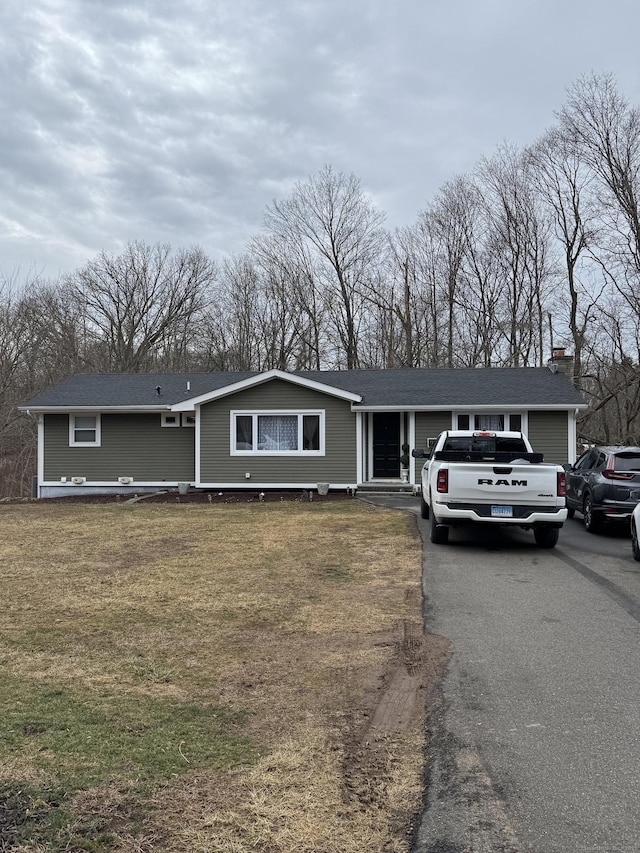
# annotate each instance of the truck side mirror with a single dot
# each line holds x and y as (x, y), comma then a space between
(417, 453)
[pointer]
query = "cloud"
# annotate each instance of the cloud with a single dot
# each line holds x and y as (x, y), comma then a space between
(180, 122)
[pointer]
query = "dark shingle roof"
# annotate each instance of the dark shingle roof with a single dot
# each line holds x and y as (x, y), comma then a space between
(448, 387)
(402, 388)
(132, 389)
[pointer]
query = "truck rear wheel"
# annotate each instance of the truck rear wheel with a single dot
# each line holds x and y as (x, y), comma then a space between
(439, 532)
(546, 537)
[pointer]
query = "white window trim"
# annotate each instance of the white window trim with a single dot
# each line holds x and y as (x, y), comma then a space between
(166, 423)
(255, 413)
(72, 430)
(188, 419)
(524, 416)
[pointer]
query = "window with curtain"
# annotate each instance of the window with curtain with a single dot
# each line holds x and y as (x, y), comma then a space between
(489, 422)
(277, 432)
(244, 432)
(311, 432)
(492, 422)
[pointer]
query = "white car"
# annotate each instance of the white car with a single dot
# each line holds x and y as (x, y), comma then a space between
(635, 533)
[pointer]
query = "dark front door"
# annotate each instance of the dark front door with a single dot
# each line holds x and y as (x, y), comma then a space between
(386, 444)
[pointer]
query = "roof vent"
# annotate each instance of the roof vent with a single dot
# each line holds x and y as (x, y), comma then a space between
(159, 390)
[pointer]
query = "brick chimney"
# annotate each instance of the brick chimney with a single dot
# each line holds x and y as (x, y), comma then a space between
(560, 362)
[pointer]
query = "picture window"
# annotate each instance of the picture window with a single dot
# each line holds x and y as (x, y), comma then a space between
(277, 433)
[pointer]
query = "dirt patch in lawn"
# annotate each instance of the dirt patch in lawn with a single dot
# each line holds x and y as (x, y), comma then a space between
(208, 677)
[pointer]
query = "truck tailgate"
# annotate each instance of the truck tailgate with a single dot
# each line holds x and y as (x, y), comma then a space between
(482, 483)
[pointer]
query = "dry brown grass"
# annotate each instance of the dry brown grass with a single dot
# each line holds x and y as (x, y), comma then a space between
(297, 614)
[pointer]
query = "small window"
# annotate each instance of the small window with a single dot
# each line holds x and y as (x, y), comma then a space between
(515, 423)
(84, 430)
(244, 433)
(463, 421)
(170, 420)
(311, 432)
(188, 419)
(277, 432)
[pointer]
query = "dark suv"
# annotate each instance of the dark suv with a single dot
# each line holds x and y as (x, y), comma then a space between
(604, 485)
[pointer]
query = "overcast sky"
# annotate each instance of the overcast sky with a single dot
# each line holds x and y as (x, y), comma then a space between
(180, 121)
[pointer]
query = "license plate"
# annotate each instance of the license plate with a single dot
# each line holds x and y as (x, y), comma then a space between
(501, 512)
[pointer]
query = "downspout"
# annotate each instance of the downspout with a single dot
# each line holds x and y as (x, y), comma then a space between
(196, 447)
(39, 419)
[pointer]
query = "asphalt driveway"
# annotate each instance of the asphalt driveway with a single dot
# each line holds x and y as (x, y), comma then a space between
(534, 731)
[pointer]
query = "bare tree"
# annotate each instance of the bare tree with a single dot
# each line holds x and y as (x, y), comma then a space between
(342, 229)
(432, 282)
(240, 303)
(293, 294)
(24, 370)
(398, 299)
(520, 241)
(141, 302)
(444, 222)
(563, 182)
(605, 132)
(612, 385)
(481, 308)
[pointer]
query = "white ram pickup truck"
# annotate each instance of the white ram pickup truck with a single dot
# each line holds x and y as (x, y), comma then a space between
(491, 478)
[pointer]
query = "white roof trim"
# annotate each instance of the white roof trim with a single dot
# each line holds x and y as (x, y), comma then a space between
(226, 390)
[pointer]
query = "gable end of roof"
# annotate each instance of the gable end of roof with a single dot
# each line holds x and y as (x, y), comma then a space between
(261, 379)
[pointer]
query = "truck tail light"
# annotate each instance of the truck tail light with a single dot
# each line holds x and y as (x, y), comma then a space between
(562, 484)
(442, 483)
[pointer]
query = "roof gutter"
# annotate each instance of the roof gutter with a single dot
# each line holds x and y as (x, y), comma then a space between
(61, 409)
(466, 407)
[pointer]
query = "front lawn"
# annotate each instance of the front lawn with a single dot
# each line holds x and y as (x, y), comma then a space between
(208, 678)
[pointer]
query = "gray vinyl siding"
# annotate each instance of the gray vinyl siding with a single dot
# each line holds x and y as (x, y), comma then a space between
(131, 446)
(428, 425)
(338, 465)
(549, 434)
